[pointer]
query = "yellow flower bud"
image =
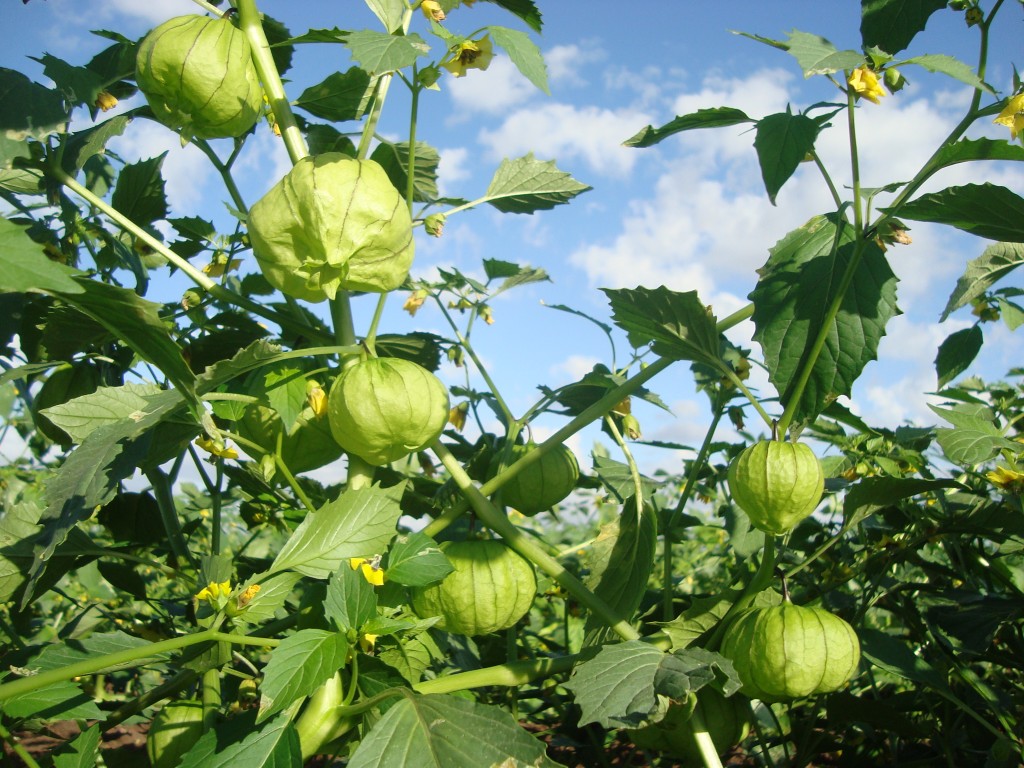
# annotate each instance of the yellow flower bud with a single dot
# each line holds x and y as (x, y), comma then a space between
(1012, 115)
(106, 101)
(470, 54)
(865, 83)
(432, 10)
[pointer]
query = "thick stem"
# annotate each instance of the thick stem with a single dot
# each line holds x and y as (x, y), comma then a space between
(708, 750)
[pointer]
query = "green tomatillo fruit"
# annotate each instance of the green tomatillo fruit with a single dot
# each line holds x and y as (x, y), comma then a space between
(491, 589)
(788, 651)
(777, 484)
(543, 483)
(197, 74)
(332, 223)
(173, 731)
(384, 408)
(727, 721)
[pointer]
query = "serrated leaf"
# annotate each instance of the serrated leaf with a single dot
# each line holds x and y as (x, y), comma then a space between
(702, 614)
(526, 185)
(24, 267)
(390, 12)
(968, 447)
(81, 415)
(716, 117)
(524, 53)
(782, 143)
(967, 150)
(797, 284)
(69, 652)
(617, 478)
(892, 24)
(415, 560)
(378, 52)
(81, 752)
(982, 273)
(241, 743)
(678, 324)
(359, 523)
(439, 731)
(985, 210)
(947, 65)
(817, 56)
(139, 193)
(60, 701)
(621, 561)
(298, 666)
(526, 10)
(870, 494)
(394, 159)
(957, 352)
(81, 146)
(350, 600)
(274, 592)
(339, 97)
(27, 109)
(79, 85)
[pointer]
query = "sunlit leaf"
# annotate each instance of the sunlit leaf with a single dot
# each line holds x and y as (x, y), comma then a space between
(378, 52)
(985, 210)
(782, 143)
(298, 666)
(524, 53)
(982, 273)
(957, 352)
(892, 24)
(679, 325)
(716, 117)
(526, 185)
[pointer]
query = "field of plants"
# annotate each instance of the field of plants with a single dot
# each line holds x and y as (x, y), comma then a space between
(251, 526)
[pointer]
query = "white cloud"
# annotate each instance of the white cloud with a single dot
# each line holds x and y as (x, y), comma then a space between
(590, 134)
(498, 89)
(565, 62)
(573, 368)
(152, 11)
(452, 169)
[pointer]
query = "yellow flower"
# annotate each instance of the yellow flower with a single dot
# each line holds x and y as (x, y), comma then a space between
(1007, 479)
(213, 591)
(470, 54)
(865, 83)
(221, 264)
(432, 10)
(1012, 115)
(106, 101)
(370, 568)
(246, 597)
(216, 448)
(316, 397)
(457, 416)
(367, 641)
(415, 301)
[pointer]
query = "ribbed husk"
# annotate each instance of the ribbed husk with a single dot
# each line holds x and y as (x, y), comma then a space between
(788, 651)
(198, 77)
(383, 409)
(777, 484)
(542, 484)
(332, 223)
(491, 589)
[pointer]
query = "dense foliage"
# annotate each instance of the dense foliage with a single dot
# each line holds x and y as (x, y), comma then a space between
(815, 589)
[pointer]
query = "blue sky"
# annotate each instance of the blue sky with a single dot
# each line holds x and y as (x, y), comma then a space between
(690, 213)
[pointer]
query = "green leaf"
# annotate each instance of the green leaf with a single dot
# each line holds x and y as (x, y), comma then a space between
(82, 146)
(619, 687)
(871, 494)
(947, 65)
(394, 159)
(19, 524)
(274, 592)
(618, 479)
(359, 523)
(107, 405)
(24, 267)
(797, 284)
(982, 273)
(298, 666)
(892, 24)
(79, 85)
(966, 150)
(341, 96)
(60, 701)
(621, 561)
(679, 324)
(702, 614)
(782, 142)
(898, 658)
(525, 9)
(58, 655)
(241, 743)
(975, 437)
(716, 117)
(957, 352)
(350, 600)
(814, 54)
(81, 752)
(390, 12)
(447, 732)
(524, 53)
(526, 185)
(415, 560)
(27, 109)
(985, 210)
(139, 192)
(378, 52)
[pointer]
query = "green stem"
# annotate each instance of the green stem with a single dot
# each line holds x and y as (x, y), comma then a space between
(279, 463)
(249, 23)
(169, 516)
(707, 748)
(360, 472)
(836, 198)
(225, 174)
(18, 749)
(492, 517)
(761, 580)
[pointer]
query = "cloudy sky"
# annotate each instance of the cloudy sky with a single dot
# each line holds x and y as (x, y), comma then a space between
(690, 213)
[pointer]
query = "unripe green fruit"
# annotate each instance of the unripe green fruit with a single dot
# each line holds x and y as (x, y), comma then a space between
(542, 484)
(332, 223)
(788, 651)
(198, 77)
(777, 484)
(384, 408)
(307, 444)
(727, 721)
(173, 731)
(491, 589)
